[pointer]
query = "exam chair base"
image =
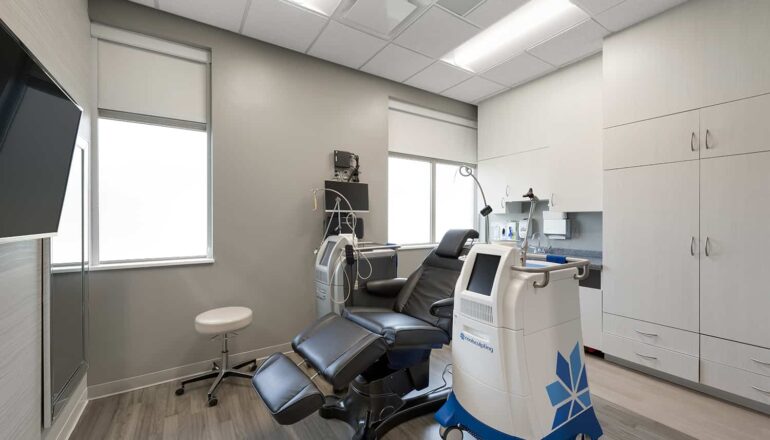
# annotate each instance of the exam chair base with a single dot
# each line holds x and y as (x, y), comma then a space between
(372, 408)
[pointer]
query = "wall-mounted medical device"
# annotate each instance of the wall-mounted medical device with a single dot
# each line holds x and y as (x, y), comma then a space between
(556, 225)
(355, 193)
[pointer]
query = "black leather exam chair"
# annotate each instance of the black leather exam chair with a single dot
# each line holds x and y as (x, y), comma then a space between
(379, 354)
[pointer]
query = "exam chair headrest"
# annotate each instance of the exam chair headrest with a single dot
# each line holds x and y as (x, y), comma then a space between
(451, 245)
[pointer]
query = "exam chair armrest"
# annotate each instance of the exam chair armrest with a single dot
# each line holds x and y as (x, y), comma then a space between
(385, 288)
(443, 308)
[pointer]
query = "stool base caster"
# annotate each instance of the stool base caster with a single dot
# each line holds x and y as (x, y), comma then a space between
(179, 391)
(213, 401)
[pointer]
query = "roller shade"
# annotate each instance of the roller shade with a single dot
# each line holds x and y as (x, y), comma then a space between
(427, 133)
(146, 82)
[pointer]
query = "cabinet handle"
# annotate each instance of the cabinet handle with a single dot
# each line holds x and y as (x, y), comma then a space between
(708, 133)
(502, 202)
(761, 362)
(692, 142)
(760, 390)
(646, 356)
(507, 190)
(707, 246)
(652, 335)
(692, 246)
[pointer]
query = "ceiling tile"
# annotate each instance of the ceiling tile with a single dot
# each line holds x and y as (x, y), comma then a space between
(436, 33)
(595, 7)
(379, 16)
(225, 14)
(281, 23)
(396, 63)
(473, 89)
(633, 11)
(344, 45)
(439, 77)
(459, 7)
(518, 70)
(574, 43)
(150, 3)
(492, 11)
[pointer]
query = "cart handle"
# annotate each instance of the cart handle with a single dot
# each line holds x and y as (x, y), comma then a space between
(546, 271)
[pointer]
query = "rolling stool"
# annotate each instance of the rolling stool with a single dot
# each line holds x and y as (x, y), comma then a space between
(221, 322)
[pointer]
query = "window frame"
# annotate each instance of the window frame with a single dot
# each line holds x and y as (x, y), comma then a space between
(433, 162)
(96, 263)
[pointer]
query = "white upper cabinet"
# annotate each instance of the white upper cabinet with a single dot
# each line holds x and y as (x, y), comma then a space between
(552, 130)
(699, 54)
(661, 140)
(493, 175)
(650, 270)
(736, 127)
(735, 207)
(654, 68)
(736, 45)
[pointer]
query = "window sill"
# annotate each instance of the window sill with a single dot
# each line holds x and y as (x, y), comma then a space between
(67, 268)
(413, 247)
(149, 264)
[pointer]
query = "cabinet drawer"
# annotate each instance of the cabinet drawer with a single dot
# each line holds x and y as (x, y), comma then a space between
(653, 334)
(667, 361)
(735, 354)
(736, 127)
(733, 380)
(662, 140)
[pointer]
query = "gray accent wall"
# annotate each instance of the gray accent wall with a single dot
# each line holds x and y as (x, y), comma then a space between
(58, 34)
(277, 115)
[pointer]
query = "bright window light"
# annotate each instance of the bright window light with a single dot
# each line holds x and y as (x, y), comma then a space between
(455, 197)
(153, 192)
(534, 22)
(409, 201)
(325, 7)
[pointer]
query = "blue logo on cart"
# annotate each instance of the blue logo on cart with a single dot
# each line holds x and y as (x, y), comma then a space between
(569, 393)
(476, 341)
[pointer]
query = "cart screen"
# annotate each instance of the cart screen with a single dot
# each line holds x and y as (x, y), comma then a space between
(483, 274)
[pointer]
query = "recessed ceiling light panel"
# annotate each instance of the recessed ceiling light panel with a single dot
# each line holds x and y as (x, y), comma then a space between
(325, 7)
(533, 22)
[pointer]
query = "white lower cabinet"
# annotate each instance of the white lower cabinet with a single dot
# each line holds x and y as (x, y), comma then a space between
(736, 381)
(653, 334)
(657, 358)
(591, 317)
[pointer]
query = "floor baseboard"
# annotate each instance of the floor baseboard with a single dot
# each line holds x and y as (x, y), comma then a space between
(145, 380)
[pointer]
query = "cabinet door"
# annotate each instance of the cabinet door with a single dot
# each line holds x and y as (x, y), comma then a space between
(654, 68)
(661, 140)
(735, 128)
(735, 207)
(530, 169)
(650, 269)
(492, 175)
(736, 44)
(591, 317)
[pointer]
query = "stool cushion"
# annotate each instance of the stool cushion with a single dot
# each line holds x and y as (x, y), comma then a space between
(222, 320)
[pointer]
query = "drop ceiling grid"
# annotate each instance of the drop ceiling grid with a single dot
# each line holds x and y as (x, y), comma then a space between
(605, 17)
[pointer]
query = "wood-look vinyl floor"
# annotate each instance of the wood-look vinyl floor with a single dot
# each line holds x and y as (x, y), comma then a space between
(155, 413)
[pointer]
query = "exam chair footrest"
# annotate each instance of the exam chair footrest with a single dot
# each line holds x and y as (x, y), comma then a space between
(288, 393)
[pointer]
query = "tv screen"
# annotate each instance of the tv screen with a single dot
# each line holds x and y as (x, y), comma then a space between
(483, 274)
(38, 131)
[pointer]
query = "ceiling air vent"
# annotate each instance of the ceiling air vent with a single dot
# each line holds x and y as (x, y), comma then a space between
(381, 16)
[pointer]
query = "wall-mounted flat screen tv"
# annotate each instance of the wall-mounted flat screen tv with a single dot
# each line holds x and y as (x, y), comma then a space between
(38, 131)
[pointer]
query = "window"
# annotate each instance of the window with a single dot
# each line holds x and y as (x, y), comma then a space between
(426, 198)
(152, 174)
(153, 192)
